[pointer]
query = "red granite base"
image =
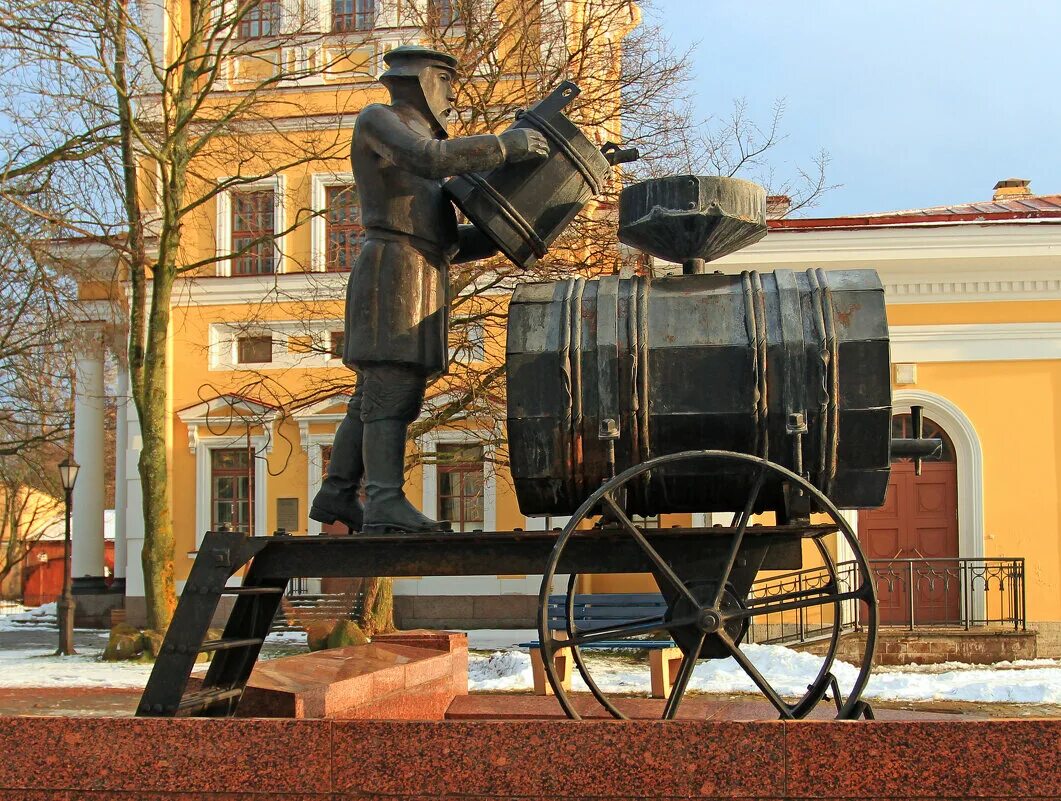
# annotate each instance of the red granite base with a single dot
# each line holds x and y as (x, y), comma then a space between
(511, 706)
(45, 759)
(403, 676)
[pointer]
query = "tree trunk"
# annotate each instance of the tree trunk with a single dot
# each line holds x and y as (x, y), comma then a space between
(158, 553)
(377, 614)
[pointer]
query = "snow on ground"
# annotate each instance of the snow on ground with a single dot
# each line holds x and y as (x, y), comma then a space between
(36, 668)
(1030, 681)
(286, 638)
(25, 618)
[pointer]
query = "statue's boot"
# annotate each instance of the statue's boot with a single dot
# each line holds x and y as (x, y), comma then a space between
(337, 500)
(386, 508)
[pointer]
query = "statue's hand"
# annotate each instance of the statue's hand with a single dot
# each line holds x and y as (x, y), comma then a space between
(523, 144)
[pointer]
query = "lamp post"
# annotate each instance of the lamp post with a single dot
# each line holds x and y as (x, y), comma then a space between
(68, 475)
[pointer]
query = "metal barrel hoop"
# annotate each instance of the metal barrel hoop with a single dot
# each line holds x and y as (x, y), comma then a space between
(560, 141)
(575, 362)
(510, 214)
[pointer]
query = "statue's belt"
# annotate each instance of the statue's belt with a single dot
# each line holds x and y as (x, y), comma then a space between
(430, 250)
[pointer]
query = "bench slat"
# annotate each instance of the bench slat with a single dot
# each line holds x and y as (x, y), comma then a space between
(625, 613)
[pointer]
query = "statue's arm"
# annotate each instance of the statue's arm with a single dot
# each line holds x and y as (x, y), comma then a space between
(424, 155)
(473, 245)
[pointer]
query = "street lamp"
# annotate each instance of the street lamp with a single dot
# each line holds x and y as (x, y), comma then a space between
(68, 475)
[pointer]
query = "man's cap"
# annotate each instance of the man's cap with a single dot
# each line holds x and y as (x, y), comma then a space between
(411, 59)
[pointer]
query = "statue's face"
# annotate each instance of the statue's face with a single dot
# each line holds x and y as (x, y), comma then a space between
(437, 85)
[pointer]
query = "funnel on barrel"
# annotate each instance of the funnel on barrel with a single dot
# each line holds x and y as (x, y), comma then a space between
(692, 219)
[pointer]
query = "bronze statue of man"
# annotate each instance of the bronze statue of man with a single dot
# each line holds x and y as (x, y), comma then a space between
(396, 302)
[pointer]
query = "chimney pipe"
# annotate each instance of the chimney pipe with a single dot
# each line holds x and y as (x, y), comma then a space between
(1012, 189)
(777, 206)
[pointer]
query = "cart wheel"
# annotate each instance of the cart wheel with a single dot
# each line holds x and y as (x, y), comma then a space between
(707, 616)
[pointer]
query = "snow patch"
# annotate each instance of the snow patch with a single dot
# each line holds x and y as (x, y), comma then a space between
(26, 668)
(1036, 681)
(23, 618)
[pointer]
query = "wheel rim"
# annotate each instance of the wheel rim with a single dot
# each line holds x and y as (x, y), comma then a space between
(606, 496)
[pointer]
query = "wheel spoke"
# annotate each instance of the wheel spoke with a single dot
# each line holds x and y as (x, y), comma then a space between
(738, 537)
(630, 628)
(665, 569)
(685, 672)
(754, 674)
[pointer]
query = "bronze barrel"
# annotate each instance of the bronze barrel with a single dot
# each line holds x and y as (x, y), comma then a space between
(790, 366)
(524, 207)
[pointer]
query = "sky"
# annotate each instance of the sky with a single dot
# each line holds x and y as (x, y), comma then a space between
(918, 102)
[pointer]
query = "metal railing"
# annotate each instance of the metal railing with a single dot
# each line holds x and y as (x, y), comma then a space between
(912, 593)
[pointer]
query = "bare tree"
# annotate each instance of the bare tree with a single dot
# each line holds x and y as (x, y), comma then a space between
(156, 122)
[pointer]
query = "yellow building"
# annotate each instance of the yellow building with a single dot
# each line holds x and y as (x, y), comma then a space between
(255, 390)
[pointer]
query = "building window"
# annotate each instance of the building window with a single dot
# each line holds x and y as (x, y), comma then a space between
(443, 13)
(336, 339)
(260, 18)
(353, 15)
(343, 233)
(231, 489)
(253, 231)
(461, 479)
(254, 349)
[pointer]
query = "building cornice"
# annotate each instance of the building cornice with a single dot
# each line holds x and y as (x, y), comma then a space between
(923, 264)
(975, 343)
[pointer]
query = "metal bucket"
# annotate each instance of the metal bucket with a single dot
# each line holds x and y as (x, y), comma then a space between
(789, 366)
(524, 207)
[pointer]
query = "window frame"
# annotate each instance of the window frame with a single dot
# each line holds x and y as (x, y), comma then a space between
(460, 469)
(242, 338)
(246, 501)
(428, 443)
(356, 15)
(275, 20)
(224, 249)
(347, 227)
(319, 183)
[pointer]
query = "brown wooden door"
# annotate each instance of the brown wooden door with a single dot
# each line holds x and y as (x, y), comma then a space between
(918, 521)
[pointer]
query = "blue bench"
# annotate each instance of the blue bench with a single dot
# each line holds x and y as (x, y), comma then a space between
(593, 612)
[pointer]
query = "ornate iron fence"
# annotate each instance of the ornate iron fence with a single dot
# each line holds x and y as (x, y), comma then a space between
(913, 593)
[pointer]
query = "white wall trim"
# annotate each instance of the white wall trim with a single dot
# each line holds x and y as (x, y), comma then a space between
(312, 444)
(223, 344)
(974, 343)
(202, 480)
(304, 288)
(937, 263)
(319, 184)
(428, 443)
(278, 183)
(223, 412)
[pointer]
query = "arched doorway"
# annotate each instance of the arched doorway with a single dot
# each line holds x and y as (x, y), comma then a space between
(918, 521)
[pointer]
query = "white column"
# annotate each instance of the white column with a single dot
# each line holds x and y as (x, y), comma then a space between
(121, 493)
(134, 506)
(87, 523)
